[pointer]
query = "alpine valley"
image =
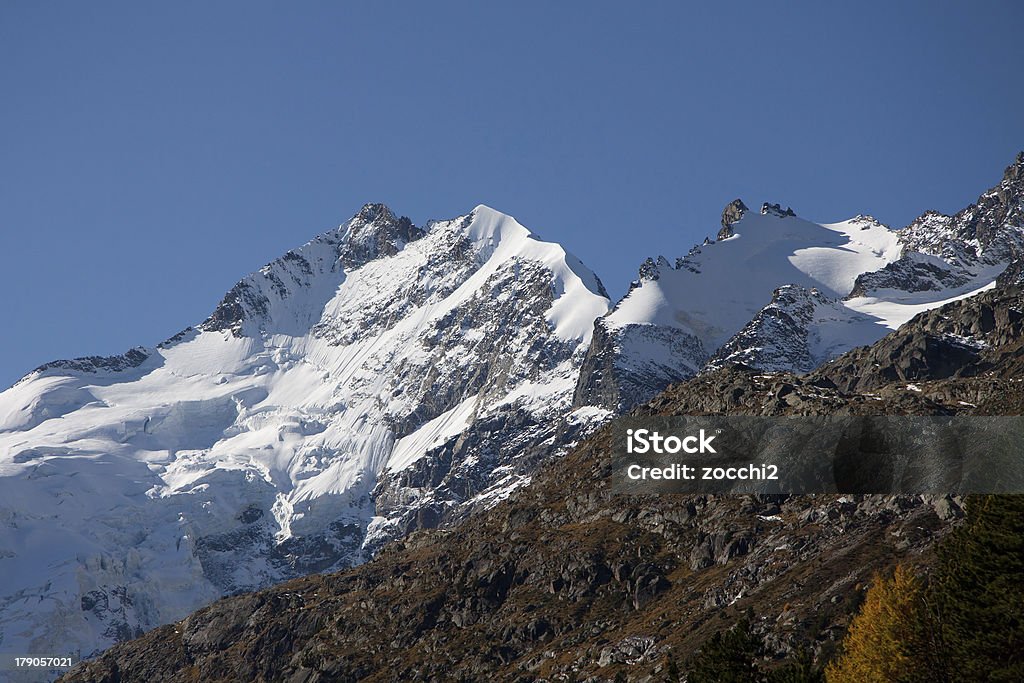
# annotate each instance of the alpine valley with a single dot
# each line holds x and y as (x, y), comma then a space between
(386, 378)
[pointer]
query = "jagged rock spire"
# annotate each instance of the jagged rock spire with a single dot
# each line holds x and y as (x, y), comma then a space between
(373, 232)
(732, 212)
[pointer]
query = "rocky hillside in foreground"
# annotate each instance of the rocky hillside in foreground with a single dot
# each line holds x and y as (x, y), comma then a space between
(566, 581)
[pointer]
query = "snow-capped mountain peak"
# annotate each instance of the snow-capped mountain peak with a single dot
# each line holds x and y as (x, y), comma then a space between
(675, 318)
(378, 378)
(765, 250)
(717, 303)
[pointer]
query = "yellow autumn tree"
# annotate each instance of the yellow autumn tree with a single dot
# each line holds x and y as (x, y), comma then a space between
(883, 638)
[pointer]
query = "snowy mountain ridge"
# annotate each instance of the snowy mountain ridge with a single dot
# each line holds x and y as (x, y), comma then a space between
(675, 318)
(784, 293)
(283, 434)
(384, 377)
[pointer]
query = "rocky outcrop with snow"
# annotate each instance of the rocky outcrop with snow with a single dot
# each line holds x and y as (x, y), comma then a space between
(955, 254)
(731, 214)
(796, 332)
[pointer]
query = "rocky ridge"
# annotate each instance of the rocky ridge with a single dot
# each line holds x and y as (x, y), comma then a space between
(946, 252)
(971, 338)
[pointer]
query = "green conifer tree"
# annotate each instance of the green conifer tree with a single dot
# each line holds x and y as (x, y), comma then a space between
(978, 593)
(728, 657)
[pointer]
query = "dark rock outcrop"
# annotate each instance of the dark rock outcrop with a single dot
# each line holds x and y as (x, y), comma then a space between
(598, 383)
(1013, 276)
(777, 210)
(618, 380)
(911, 273)
(374, 232)
(964, 338)
(732, 213)
(132, 358)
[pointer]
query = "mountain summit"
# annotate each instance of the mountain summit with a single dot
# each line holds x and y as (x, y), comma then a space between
(786, 294)
(367, 383)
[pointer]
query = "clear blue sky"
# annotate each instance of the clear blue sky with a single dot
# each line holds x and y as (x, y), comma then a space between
(154, 153)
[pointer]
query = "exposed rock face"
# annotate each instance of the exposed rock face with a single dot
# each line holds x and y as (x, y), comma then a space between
(619, 371)
(731, 214)
(961, 339)
(651, 269)
(132, 358)
(1013, 276)
(984, 221)
(914, 272)
(601, 384)
(565, 579)
(798, 331)
(372, 233)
